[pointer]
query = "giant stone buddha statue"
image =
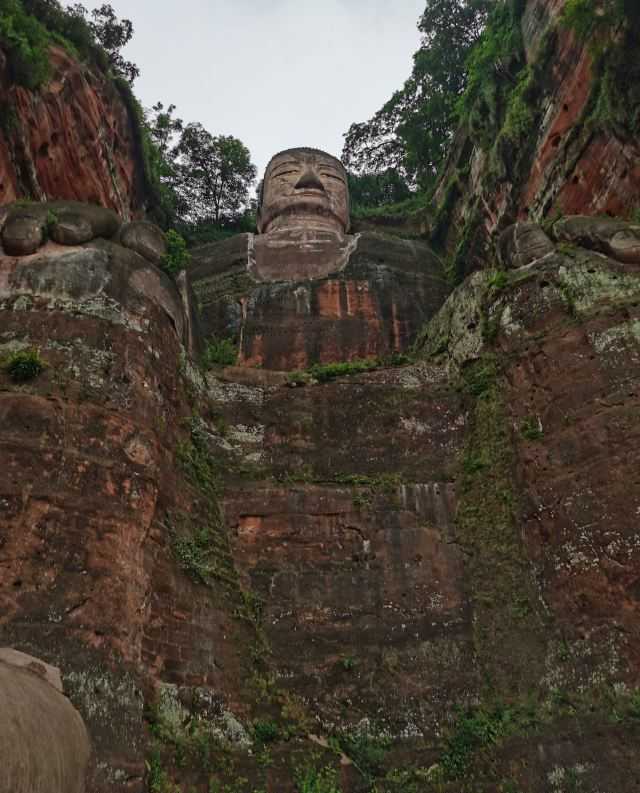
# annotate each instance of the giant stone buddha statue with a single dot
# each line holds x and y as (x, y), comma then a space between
(303, 290)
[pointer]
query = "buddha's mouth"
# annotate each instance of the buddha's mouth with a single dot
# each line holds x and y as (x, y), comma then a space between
(308, 203)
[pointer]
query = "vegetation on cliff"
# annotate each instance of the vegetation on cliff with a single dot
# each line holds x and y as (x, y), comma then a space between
(28, 27)
(412, 131)
(204, 179)
(194, 180)
(495, 117)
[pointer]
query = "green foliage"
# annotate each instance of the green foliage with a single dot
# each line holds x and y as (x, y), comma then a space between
(313, 780)
(499, 280)
(479, 377)
(348, 663)
(220, 352)
(28, 27)
(462, 260)
(325, 372)
(480, 729)
(366, 752)
(374, 190)
(412, 131)
(615, 103)
(520, 116)
(193, 553)
(176, 257)
(586, 18)
(266, 732)
(195, 460)
(493, 63)
(212, 176)
(50, 222)
(415, 203)
(24, 365)
(531, 429)
(26, 40)
(198, 540)
(158, 779)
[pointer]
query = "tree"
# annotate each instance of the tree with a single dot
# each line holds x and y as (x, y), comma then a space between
(213, 176)
(163, 128)
(113, 34)
(101, 36)
(412, 131)
(377, 189)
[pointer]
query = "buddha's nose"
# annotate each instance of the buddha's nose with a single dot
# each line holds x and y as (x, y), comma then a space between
(309, 181)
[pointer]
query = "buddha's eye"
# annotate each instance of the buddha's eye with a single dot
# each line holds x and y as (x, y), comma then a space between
(284, 173)
(334, 177)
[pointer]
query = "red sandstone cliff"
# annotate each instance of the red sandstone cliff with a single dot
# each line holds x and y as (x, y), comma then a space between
(435, 568)
(578, 152)
(73, 138)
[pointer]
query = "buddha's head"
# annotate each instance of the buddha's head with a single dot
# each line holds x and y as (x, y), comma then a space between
(304, 187)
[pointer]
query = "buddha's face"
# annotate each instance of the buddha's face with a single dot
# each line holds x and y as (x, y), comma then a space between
(304, 187)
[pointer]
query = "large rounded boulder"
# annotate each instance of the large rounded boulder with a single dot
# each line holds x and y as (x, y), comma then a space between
(44, 746)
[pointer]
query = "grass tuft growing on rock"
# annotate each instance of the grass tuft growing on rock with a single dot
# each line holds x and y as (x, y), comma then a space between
(24, 365)
(325, 372)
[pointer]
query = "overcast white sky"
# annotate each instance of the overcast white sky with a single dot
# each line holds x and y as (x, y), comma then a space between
(274, 73)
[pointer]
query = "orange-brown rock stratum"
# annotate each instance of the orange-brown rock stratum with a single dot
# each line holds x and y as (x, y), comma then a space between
(73, 138)
(308, 572)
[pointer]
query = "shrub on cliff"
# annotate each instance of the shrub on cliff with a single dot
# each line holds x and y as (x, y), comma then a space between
(176, 257)
(28, 27)
(26, 41)
(24, 365)
(219, 352)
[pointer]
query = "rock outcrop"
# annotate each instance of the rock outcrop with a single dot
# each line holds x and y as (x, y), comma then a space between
(44, 747)
(561, 138)
(418, 533)
(74, 138)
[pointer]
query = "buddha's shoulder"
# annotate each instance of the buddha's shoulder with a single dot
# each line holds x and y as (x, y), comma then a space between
(398, 253)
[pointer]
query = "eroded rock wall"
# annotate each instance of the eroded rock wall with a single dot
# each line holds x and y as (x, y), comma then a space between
(73, 138)
(561, 140)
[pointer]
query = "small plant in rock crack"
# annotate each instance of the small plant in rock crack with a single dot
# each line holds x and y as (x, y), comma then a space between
(498, 280)
(266, 731)
(24, 365)
(219, 352)
(313, 780)
(531, 428)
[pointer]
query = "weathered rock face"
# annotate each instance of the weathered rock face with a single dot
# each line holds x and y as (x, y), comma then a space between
(356, 560)
(353, 543)
(87, 456)
(73, 139)
(575, 152)
(422, 577)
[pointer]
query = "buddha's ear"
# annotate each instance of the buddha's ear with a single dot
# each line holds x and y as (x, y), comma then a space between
(260, 193)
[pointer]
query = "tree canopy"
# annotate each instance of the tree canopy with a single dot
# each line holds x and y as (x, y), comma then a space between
(205, 179)
(27, 27)
(412, 131)
(213, 175)
(377, 189)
